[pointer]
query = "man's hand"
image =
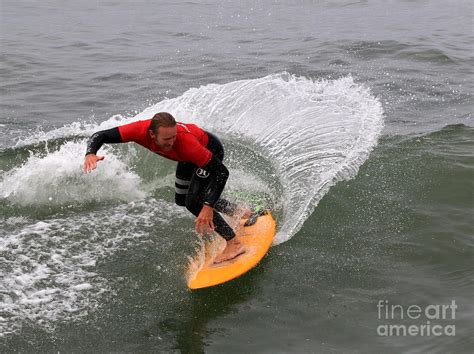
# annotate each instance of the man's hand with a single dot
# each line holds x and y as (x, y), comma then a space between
(204, 220)
(90, 162)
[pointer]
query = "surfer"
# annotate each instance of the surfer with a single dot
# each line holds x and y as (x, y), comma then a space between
(200, 174)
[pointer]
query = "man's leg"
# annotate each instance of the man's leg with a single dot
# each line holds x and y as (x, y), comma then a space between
(184, 173)
(195, 202)
(222, 205)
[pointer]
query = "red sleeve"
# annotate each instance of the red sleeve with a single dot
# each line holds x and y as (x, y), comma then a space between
(136, 131)
(191, 150)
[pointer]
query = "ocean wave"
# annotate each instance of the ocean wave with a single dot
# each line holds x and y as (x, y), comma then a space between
(312, 133)
(315, 133)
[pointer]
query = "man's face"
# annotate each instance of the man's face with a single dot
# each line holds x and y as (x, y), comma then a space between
(165, 137)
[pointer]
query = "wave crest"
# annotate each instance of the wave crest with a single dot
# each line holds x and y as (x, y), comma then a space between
(315, 133)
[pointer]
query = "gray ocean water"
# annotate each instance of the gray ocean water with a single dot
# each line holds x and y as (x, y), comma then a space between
(353, 119)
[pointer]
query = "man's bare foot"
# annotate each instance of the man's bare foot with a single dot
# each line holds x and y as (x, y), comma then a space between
(233, 249)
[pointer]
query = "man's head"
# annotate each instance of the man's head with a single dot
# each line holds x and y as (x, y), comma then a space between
(163, 130)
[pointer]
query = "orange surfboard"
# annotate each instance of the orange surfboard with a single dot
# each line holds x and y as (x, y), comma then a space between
(256, 240)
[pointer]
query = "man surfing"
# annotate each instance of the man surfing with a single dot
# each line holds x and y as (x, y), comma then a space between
(200, 174)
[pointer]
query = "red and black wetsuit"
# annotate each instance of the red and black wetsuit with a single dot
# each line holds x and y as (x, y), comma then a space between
(190, 145)
(200, 174)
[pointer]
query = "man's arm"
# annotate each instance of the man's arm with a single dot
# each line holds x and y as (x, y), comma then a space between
(104, 136)
(95, 143)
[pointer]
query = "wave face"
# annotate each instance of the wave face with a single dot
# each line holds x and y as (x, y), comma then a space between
(315, 133)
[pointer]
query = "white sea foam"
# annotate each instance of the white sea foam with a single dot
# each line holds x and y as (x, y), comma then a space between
(57, 179)
(48, 268)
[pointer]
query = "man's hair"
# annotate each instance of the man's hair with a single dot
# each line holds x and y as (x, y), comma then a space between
(161, 119)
